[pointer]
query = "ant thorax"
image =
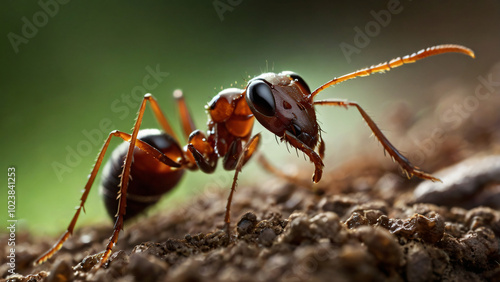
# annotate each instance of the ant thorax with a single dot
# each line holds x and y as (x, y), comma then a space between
(230, 119)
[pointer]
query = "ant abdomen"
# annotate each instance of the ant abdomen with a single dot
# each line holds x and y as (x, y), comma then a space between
(150, 178)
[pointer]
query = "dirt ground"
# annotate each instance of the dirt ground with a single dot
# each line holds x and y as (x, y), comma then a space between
(363, 222)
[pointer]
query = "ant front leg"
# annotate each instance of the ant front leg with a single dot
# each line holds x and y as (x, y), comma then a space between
(313, 156)
(294, 178)
(405, 164)
(202, 152)
(245, 155)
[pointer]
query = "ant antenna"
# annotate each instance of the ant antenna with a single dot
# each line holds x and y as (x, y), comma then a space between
(394, 63)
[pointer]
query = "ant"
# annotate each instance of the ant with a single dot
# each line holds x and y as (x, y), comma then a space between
(150, 162)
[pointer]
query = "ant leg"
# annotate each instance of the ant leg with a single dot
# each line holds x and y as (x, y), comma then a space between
(405, 164)
(125, 176)
(134, 142)
(232, 155)
(247, 153)
(126, 137)
(199, 147)
(160, 116)
(313, 156)
(263, 161)
(186, 119)
(71, 226)
(187, 122)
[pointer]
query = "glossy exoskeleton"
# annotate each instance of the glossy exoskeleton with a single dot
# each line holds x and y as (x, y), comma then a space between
(151, 162)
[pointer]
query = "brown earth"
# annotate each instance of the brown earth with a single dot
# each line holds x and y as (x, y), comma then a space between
(362, 222)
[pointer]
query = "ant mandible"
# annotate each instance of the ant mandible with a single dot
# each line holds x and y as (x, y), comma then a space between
(150, 162)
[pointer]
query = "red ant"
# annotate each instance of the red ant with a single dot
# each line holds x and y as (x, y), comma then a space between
(150, 162)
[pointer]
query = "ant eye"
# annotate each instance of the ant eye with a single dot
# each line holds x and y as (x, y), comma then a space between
(300, 81)
(262, 98)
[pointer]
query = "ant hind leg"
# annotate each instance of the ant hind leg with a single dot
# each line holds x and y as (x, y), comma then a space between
(134, 142)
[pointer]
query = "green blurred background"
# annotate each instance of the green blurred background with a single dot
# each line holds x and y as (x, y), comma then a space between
(68, 77)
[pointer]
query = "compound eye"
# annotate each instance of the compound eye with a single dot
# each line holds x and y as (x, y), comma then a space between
(300, 81)
(260, 95)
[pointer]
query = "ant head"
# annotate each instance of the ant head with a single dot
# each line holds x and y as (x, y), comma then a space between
(282, 102)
